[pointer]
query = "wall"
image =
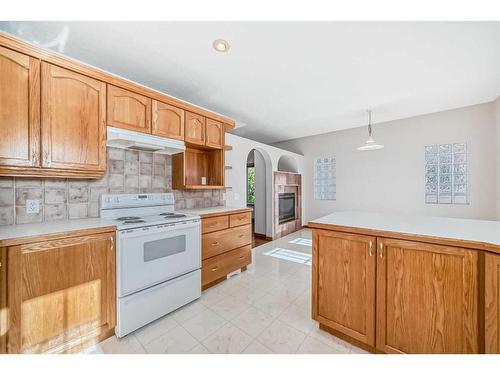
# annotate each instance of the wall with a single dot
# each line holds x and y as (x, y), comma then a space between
(236, 177)
(128, 172)
(260, 206)
(497, 117)
(392, 179)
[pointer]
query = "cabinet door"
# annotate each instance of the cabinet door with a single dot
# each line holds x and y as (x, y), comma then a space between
(214, 134)
(168, 121)
(492, 303)
(194, 130)
(60, 292)
(344, 283)
(128, 110)
(19, 109)
(73, 120)
(427, 298)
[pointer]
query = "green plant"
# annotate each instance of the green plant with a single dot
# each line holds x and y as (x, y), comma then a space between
(250, 185)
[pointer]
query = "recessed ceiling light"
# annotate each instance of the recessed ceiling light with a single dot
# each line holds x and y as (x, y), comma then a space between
(221, 45)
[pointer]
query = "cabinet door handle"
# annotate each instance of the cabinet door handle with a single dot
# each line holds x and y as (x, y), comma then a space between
(214, 269)
(240, 236)
(371, 248)
(215, 243)
(381, 250)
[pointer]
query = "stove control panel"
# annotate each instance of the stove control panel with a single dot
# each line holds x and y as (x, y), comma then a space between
(136, 200)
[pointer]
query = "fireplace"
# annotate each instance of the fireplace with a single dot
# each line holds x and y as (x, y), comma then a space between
(286, 204)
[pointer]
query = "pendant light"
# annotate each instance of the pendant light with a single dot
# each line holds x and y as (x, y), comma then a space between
(370, 144)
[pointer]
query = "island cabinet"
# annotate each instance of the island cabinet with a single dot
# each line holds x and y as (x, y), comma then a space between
(492, 303)
(427, 298)
(402, 296)
(344, 287)
(58, 295)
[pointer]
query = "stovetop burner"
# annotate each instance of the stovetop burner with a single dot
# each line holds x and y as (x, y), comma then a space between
(134, 221)
(169, 215)
(127, 218)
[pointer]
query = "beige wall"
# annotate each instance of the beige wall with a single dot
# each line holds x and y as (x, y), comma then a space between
(392, 179)
(497, 113)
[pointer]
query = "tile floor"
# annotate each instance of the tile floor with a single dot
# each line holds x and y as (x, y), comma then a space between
(263, 310)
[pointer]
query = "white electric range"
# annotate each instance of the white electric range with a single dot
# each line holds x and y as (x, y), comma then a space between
(158, 257)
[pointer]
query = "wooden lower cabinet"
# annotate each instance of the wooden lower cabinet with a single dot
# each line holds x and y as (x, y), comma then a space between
(403, 296)
(344, 283)
(427, 298)
(59, 294)
(226, 245)
(492, 303)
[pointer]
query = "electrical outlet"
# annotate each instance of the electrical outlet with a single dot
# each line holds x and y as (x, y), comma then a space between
(32, 206)
(224, 196)
(236, 196)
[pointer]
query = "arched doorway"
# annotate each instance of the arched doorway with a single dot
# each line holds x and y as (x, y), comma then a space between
(259, 192)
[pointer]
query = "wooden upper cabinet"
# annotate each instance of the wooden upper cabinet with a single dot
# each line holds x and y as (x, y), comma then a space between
(344, 282)
(128, 110)
(214, 134)
(492, 303)
(194, 129)
(427, 298)
(19, 109)
(60, 293)
(73, 120)
(168, 121)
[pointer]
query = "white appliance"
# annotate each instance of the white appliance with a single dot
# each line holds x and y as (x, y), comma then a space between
(128, 139)
(158, 257)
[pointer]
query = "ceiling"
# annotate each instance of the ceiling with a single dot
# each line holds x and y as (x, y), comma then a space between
(283, 80)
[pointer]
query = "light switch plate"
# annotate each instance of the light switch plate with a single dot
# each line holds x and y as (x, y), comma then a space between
(32, 206)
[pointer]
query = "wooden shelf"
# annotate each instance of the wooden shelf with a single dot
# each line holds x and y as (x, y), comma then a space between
(228, 167)
(228, 147)
(204, 187)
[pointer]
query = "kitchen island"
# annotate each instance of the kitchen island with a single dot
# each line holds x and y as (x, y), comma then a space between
(408, 284)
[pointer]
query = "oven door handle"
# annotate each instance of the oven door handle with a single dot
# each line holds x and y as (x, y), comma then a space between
(163, 228)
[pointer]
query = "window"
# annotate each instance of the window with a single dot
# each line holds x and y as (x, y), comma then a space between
(250, 184)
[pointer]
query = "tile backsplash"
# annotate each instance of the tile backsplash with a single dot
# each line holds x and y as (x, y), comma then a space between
(128, 172)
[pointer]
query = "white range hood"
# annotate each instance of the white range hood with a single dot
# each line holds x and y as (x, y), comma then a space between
(130, 140)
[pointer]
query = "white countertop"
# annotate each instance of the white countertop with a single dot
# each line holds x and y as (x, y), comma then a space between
(483, 231)
(8, 232)
(211, 210)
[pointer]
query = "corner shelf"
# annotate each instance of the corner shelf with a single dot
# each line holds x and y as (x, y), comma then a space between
(228, 167)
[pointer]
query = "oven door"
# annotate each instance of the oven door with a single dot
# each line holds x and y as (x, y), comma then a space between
(151, 255)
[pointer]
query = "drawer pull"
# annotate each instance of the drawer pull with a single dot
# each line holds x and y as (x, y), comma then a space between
(214, 269)
(215, 243)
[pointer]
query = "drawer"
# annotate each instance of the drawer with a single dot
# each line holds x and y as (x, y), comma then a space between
(216, 243)
(240, 219)
(212, 224)
(219, 266)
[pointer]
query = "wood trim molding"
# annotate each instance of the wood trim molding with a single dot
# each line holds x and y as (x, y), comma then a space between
(410, 237)
(55, 58)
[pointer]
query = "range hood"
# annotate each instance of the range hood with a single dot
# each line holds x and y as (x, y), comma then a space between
(130, 140)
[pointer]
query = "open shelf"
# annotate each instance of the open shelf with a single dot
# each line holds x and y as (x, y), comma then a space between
(189, 167)
(228, 167)
(228, 147)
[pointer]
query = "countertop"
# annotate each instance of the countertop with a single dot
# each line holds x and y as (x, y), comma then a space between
(480, 234)
(11, 235)
(215, 211)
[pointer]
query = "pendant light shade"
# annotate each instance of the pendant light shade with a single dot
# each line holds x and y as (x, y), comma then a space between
(370, 143)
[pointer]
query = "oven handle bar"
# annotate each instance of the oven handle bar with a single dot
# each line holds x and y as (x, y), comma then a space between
(162, 228)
